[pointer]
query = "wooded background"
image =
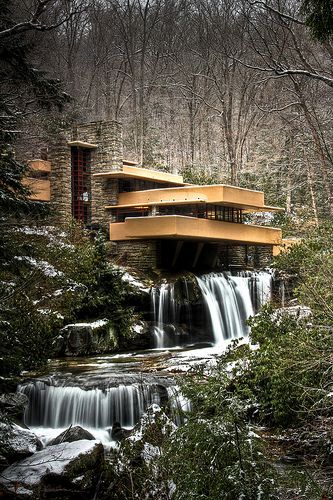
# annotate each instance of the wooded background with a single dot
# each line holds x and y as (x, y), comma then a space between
(235, 90)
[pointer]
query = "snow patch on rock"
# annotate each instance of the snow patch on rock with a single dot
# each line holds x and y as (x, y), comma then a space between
(59, 460)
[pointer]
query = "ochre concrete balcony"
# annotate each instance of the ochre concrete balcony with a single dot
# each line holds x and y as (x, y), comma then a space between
(129, 171)
(245, 199)
(40, 165)
(40, 188)
(38, 182)
(180, 227)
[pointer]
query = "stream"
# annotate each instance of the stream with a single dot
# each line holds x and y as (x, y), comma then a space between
(95, 392)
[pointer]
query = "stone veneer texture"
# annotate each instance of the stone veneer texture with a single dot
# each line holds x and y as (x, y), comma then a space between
(141, 254)
(106, 157)
(61, 189)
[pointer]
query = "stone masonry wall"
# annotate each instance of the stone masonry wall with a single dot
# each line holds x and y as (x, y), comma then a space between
(140, 254)
(107, 157)
(263, 256)
(243, 256)
(61, 188)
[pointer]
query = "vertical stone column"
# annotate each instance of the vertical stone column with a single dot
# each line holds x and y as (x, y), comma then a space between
(61, 187)
(263, 256)
(107, 157)
(238, 256)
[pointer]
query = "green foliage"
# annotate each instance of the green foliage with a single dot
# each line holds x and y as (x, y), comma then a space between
(105, 294)
(49, 277)
(136, 469)
(213, 454)
(26, 337)
(291, 371)
(195, 175)
(216, 453)
(311, 262)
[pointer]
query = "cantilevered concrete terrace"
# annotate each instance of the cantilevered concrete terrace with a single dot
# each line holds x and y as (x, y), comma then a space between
(129, 172)
(181, 211)
(221, 194)
(180, 227)
(38, 180)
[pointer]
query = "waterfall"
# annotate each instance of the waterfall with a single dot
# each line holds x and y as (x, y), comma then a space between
(228, 301)
(164, 307)
(166, 315)
(54, 406)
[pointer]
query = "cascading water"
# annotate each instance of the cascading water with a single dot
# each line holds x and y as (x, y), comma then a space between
(56, 407)
(211, 308)
(166, 315)
(260, 284)
(228, 301)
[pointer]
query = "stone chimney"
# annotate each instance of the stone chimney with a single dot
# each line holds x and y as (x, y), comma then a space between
(107, 157)
(104, 140)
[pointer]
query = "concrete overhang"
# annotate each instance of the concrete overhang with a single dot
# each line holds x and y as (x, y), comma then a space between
(162, 203)
(130, 163)
(132, 172)
(181, 227)
(40, 165)
(40, 188)
(219, 194)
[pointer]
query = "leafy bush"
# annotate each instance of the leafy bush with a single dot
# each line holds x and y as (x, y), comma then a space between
(311, 262)
(216, 453)
(49, 277)
(290, 374)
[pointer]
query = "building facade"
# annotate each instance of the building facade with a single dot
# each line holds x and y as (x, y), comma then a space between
(153, 219)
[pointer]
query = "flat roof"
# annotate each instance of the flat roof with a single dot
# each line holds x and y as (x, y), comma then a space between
(215, 194)
(132, 172)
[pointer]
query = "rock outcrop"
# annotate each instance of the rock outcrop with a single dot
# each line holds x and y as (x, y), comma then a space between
(72, 434)
(17, 443)
(66, 471)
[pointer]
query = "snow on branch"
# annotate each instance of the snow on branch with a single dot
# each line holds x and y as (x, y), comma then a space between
(35, 23)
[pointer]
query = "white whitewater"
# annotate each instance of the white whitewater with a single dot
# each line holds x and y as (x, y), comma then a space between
(54, 406)
(228, 302)
(163, 302)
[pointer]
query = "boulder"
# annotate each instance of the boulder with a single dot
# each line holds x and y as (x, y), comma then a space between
(66, 471)
(18, 443)
(83, 339)
(77, 339)
(118, 433)
(139, 336)
(297, 312)
(72, 434)
(13, 405)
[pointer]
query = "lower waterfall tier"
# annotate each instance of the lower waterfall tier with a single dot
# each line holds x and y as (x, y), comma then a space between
(57, 406)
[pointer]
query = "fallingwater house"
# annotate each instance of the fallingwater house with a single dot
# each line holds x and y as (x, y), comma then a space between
(153, 218)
